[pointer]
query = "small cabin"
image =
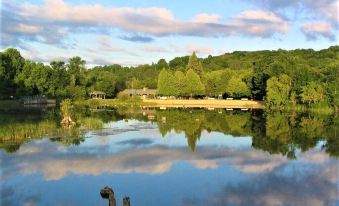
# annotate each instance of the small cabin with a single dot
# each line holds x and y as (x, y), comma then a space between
(97, 95)
(144, 93)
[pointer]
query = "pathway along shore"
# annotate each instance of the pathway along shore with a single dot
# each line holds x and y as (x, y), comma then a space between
(206, 103)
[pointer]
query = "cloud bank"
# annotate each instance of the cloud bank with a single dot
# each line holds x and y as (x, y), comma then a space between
(47, 24)
(136, 35)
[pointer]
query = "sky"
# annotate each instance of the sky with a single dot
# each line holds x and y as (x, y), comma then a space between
(134, 32)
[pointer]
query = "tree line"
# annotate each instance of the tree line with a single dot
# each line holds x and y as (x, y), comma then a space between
(195, 82)
(301, 76)
(281, 78)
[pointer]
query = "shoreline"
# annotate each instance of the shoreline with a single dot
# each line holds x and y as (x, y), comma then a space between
(204, 103)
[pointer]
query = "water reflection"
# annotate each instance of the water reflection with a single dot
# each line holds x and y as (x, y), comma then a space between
(239, 158)
(275, 132)
(226, 171)
(299, 186)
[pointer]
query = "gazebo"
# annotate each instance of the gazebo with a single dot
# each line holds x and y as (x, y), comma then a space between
(97, 95)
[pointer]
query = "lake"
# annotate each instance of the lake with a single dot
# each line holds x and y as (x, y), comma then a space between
(179, 157)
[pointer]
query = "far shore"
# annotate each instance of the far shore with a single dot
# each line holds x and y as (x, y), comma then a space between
(204, 103)
(169, 103)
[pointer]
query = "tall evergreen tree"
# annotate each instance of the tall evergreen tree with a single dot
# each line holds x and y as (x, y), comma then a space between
(194, 86)
(195, 64)
(166, 83)
(179, 83)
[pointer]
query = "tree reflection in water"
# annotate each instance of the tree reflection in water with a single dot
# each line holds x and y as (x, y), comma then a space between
(273, 131)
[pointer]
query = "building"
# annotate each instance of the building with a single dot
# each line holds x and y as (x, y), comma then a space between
(97, 95)
(144, 93)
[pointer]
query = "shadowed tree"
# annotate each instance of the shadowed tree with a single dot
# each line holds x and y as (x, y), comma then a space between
(162, 64)
(11, 64)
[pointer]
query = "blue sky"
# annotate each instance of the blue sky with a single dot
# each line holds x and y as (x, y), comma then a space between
(132, 32)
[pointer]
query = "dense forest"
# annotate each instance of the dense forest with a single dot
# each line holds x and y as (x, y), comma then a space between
(302, 76)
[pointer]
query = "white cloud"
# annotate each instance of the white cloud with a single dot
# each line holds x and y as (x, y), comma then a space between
(313, 30)
(320, 9)
(261, 23)
(24, 28)
(150, 21)
(206, 18)
(324, 15)
(326, 8)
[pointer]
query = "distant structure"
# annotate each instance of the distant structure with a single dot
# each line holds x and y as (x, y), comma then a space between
(97, 95)
(144, 93)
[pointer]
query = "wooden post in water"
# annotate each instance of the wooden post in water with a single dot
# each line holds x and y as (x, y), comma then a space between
(126, 201)
(107, 193)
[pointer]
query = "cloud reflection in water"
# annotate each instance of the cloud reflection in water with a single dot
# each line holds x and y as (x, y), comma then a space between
(266, 179)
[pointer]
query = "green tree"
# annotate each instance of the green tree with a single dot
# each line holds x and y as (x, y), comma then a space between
(194, 86)
(212, 79)
(312, 93)
(76, 92)
(76, 68)
(36, 77)
(237, 88)
(333, 93)
(59, 79)
(195, 65)
(278, 90)
(216, 82)
(180, 83)
(11, 64)
(330, 76)
(162, 64)
(179, 62)
(106, 83)
(166, 83)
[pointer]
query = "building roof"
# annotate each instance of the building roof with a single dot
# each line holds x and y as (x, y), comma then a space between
(97, 92)
(140, 91)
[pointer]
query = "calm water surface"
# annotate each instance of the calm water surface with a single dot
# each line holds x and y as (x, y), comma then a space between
(171, 157)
